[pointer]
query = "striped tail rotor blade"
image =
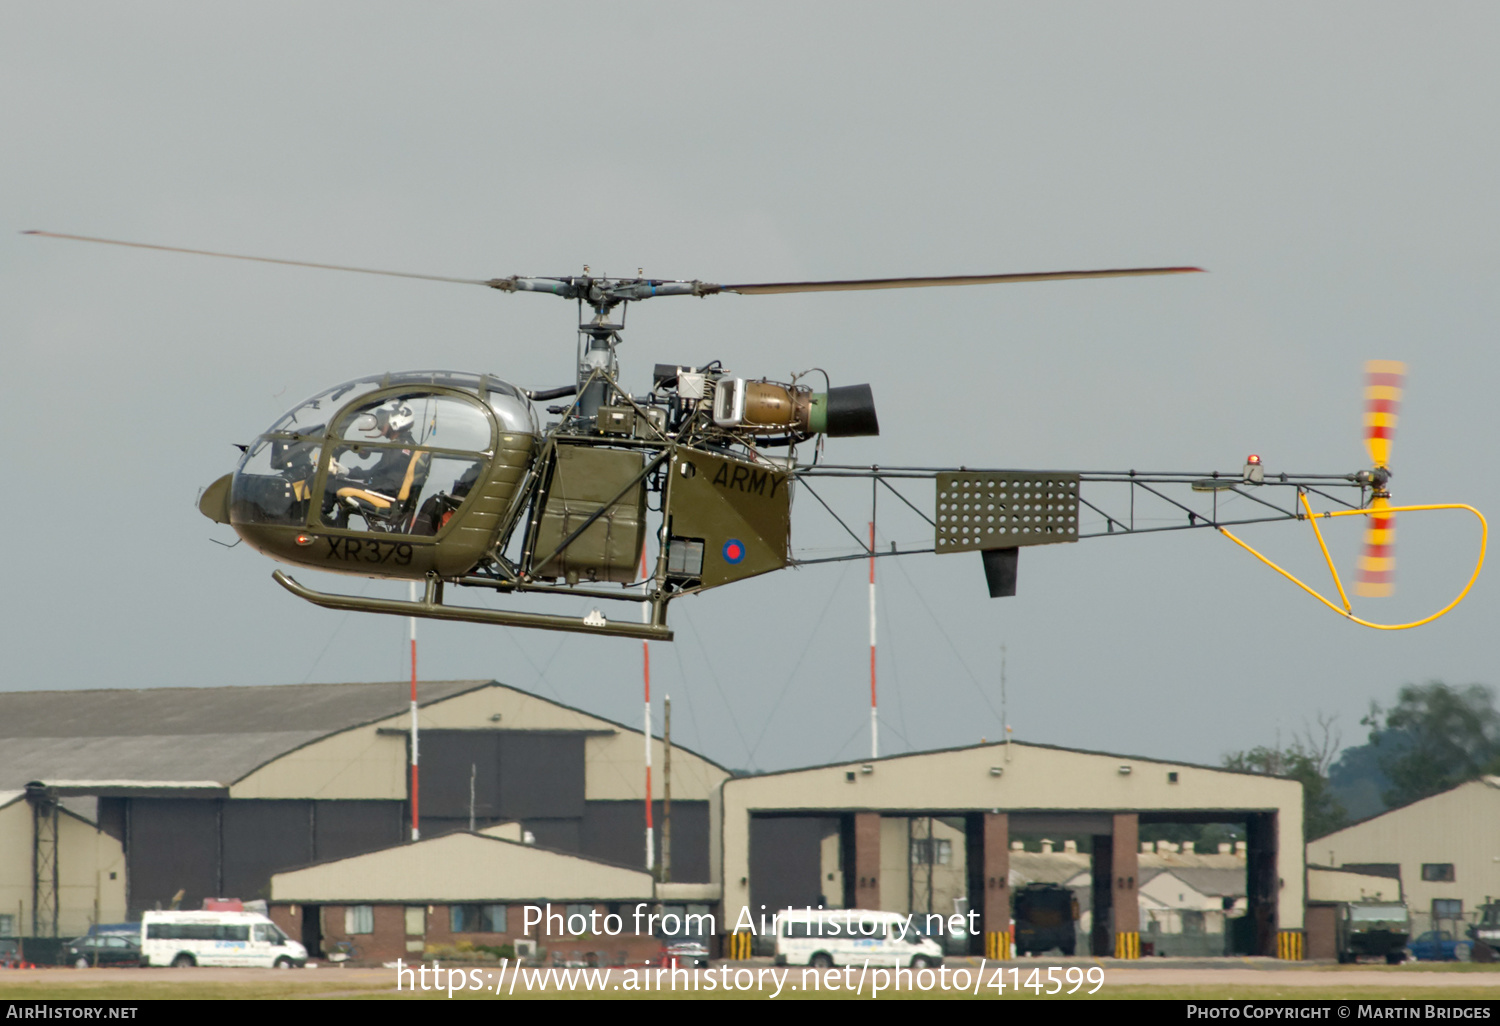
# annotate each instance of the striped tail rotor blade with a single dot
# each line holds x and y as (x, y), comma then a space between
(1377, 566)
(1383, 380)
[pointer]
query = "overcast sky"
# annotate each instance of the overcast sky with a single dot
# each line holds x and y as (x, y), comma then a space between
(1333, 166)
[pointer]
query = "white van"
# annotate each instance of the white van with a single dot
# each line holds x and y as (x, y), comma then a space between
(828, 937)
(216, 938)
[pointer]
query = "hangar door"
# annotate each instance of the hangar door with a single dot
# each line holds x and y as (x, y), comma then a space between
(535, 776)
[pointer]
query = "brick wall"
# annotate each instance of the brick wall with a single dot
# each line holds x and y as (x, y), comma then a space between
(389, 940)
(386, 943)
(289, 918)
(626, 947)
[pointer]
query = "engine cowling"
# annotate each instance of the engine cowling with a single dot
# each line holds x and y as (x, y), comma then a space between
(769, 407)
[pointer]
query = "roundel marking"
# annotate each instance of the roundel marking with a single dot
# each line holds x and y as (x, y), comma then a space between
(734, 551)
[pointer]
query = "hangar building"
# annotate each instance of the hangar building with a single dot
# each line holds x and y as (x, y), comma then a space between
(209, 791)
(113, 802)
(780, 831)
(1442, 851)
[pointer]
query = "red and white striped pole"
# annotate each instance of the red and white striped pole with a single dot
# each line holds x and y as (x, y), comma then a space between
(874, 723)
(646, 669)
(416, 832)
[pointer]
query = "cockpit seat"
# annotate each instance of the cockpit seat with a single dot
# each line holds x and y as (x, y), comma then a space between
(379, 510)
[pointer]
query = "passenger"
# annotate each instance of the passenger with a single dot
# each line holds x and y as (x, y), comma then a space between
(440, 507)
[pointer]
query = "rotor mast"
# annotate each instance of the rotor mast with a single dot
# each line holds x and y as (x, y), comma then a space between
(597, 338)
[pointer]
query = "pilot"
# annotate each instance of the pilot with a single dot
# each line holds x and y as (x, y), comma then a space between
(395, 478)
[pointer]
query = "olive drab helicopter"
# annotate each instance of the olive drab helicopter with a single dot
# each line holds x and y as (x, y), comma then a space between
(453, 478)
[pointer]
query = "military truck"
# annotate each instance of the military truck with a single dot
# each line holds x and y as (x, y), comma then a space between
(1369, 929)
(1045, 915)
(1485, 933)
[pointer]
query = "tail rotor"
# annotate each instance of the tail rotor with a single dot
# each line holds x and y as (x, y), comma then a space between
(1377, 565)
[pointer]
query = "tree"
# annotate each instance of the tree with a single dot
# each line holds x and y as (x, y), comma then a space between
(1434, 738)
(1305, 760)
(1357, 780)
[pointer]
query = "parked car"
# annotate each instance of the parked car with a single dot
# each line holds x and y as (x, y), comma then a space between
(688, 954)
(1441, 946)
(103, 949)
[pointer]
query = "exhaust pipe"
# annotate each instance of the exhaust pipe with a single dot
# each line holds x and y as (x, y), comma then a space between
(844, 412)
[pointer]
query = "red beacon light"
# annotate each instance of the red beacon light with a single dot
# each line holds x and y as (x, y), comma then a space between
(1254, 472)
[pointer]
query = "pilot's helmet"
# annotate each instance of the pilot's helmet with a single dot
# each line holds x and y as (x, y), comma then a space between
(389, 420)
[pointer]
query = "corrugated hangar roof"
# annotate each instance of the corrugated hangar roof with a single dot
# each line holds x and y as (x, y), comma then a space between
(185, 736)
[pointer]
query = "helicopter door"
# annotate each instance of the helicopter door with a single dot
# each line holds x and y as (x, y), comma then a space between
(584, 481)
(405, 463)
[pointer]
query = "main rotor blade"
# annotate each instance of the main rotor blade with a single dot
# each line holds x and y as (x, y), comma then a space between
(272, 260)
(570, 288)
(855, 285)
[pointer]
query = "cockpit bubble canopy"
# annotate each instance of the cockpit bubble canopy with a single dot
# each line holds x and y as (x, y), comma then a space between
(394, 454)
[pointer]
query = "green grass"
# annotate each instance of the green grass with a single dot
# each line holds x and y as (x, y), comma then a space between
(1134, 993)
(1235, 992)
(335, 990)
(1419, 967)
(162, 990)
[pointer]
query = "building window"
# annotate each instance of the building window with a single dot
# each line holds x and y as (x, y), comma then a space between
(931, 851)
(477, 918)
(7, 926)
(685, 922)
(1437, 872)
(359, 919)
(1447, 908)
(578, 910)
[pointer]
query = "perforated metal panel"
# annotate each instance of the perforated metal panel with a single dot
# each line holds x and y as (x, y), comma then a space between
(997, 509)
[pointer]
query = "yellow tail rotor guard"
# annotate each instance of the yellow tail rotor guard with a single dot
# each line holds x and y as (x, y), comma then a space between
(1484, 532)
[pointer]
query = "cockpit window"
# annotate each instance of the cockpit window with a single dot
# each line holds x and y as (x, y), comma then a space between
(391, 490)
(401, 462)
(440, 421)
(513, 410)
(274, 482)
(312, 415)
(384, 474)
(510, 406)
